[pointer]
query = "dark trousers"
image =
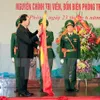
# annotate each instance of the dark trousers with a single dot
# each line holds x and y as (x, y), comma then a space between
(50, 61)
(69, 69)
(23, 71)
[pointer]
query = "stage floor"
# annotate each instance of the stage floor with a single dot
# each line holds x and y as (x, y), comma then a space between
(90, 91)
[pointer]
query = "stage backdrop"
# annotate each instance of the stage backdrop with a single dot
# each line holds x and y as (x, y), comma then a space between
(58, 11)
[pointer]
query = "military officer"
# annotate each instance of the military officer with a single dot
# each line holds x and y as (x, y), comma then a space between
(50, 52)
(14, 52)
(70, 46)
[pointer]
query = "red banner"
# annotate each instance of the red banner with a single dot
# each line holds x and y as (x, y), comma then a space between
(47, 84)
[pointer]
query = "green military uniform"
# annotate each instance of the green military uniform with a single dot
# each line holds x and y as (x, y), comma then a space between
(50, 52)
(13, 45)
(13, 55)
(71, 43)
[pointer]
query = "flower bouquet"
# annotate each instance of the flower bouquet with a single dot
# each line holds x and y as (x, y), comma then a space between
(84, 70)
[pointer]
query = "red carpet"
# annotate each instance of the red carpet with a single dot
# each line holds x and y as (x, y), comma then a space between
(53, 98)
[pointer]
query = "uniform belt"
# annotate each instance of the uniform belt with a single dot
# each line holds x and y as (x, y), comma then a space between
(68, 50)
(64, 50)
(49, 46)
(71, 50)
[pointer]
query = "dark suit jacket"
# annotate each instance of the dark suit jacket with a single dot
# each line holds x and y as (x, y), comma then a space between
(25, 41)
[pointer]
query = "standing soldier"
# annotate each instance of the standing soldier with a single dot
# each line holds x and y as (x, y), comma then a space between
(14, 52)
(50, 52)
(70, 46)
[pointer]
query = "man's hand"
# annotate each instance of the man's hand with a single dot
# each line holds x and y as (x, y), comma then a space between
(62, 61)
(40, 30)
(78, 60)
(15, 49)
(36, 51)
(46, 36)
(37, 42)
(13, 60)
(64, 51)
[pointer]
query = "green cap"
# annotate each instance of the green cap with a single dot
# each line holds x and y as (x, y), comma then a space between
(17, 22)
(47, 22)
(69, 22)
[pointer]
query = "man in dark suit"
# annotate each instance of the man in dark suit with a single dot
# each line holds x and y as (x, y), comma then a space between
(70, 46)
(25, 41)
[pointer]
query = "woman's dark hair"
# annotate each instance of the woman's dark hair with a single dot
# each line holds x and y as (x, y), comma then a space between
(23, 18)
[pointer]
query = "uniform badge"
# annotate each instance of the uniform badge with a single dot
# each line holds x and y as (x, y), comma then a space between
(66, 37)
(75, 40)
(69, 23)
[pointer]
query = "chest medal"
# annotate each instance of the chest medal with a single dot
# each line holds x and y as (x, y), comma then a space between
(75, 40)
